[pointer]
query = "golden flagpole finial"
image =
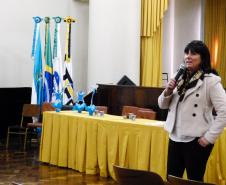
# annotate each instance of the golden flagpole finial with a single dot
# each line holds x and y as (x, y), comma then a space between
(69, 19)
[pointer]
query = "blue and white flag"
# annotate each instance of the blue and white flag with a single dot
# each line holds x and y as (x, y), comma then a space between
(48, 81)
(57, 58)
(37, 86)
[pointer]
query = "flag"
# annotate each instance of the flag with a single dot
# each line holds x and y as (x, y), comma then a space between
(68, 82)
(57, 58)
(37, 86)
(48, 80)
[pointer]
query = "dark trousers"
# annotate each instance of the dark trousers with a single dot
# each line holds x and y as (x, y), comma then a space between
(190, 156)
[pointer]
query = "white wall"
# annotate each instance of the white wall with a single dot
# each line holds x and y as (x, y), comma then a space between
(113, 30)
(17, 31)
(168, 39)
(114, 41)
(182, 24)
(79, 44)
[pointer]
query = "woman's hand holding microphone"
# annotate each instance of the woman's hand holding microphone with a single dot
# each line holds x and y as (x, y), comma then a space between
(173, 82)
(170, 87)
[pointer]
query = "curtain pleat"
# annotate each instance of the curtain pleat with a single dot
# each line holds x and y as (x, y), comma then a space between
(152, 12)
(215, 35)
(215, 38)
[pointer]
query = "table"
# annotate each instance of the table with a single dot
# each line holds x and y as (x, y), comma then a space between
(91, 144)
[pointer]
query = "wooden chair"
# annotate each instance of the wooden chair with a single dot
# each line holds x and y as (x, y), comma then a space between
(146, 114)
(29, 111)
(126, 176)
(102, 108)
(179, 181)
(129, 109)
(35, 126)
(126, 109)
(145, 109)
(45, 107)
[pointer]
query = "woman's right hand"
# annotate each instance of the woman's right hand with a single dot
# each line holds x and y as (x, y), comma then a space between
(170, 87)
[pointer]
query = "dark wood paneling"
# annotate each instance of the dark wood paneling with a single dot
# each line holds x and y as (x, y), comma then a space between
(115, 96)
(12, 100)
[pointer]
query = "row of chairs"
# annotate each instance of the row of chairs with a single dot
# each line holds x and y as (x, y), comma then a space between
(126, 176)
(138, 111)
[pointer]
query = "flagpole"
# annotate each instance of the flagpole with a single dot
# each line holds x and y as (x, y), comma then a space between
(37, 21)
(57, 59)
(48, 81)
(36, 56)
(68, 82)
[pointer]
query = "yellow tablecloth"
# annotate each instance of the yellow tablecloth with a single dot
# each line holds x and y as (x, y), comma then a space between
(92, 144)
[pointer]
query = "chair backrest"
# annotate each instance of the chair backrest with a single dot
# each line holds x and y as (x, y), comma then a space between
(29, 111)
(179, 181)
(47, 107)
(129, 109)
(102, 108)
(126, 176)
(145, 109)
(147, 114)
(126, 109)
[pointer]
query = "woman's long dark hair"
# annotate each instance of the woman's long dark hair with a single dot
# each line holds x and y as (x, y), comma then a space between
(199, 47)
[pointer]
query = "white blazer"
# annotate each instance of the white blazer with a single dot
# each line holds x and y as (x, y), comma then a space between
(196, 109)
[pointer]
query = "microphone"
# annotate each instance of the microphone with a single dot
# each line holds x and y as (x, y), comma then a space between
(180, 72)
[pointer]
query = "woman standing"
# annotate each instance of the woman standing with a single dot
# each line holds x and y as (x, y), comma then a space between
(190, 101)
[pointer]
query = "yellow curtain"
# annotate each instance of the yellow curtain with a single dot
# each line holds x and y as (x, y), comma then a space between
(152, 12)
(215, 35)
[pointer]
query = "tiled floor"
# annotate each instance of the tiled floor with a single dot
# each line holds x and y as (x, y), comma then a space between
(20, 167)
